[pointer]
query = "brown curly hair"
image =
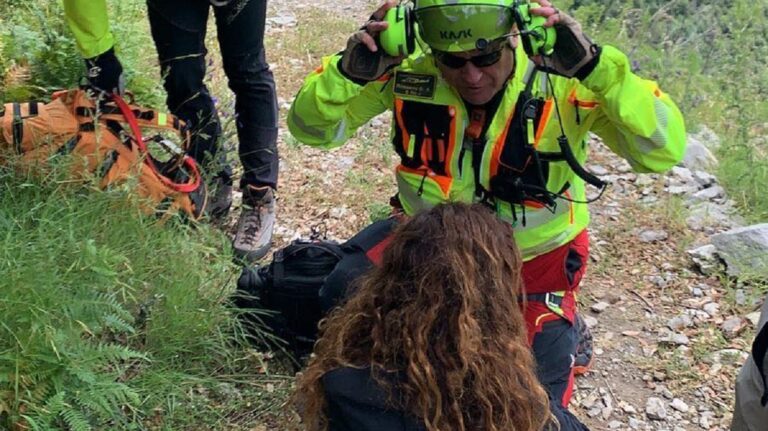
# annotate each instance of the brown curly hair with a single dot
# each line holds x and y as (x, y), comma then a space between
(441, 311)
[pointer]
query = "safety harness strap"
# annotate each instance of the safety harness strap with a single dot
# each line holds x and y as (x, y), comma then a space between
(18, 127)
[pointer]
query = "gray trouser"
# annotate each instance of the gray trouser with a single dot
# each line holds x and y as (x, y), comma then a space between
(748, 413)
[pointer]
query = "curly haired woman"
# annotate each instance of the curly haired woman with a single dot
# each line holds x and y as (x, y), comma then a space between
(431, 339)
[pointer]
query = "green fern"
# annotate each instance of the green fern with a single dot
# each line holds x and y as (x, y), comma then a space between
(75, 420)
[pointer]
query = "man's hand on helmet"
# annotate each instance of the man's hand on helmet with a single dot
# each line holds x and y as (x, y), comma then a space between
(575, 55)
(105, 73)
(363, 60)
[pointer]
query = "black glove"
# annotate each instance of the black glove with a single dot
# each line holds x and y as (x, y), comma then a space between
(105, 73)
(362, 65)
(574, 55)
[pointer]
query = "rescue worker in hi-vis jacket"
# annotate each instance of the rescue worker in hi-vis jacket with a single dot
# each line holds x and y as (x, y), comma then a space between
(178, 29)
(475, 120)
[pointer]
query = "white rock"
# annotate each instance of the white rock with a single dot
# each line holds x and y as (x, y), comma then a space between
(599, 307)
(679, 405)
(653, 235)
(711, 308)
(680, 322)
(709, 194)
(655, 410)
(705, 179)
(644, 180)
(683, 174)
(590, 321)
(635, 423)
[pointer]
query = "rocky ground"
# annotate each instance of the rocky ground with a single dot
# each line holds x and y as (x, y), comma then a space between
(668, 339)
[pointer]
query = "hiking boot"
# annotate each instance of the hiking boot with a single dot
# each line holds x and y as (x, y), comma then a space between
(583, 359)
(219, 197)
(254, 228)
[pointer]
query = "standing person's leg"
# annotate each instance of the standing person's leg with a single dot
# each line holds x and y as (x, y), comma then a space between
(178, 29)
(551, 281)
(240, 27)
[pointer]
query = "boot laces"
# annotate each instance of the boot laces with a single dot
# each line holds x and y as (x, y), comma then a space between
(251, 225)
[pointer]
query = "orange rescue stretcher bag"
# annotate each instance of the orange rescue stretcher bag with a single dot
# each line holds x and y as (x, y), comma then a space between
(108, 140)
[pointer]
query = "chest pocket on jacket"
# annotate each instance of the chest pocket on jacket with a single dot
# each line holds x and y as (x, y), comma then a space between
(423, 135)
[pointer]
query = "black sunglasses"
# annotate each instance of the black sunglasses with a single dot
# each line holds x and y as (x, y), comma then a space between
(456, 62)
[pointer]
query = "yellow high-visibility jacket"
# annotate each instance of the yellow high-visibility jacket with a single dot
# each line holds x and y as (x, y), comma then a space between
(89, 23)
(633, 116)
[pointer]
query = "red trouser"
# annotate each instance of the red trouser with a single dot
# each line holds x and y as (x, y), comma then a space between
(551, 335)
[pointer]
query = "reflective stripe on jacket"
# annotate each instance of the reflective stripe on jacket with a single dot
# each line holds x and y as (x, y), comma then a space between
(635, 119)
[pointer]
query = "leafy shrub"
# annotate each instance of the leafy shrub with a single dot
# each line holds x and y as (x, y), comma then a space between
(108, 313)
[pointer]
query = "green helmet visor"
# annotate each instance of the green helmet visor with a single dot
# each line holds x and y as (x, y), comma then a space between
(463, 27)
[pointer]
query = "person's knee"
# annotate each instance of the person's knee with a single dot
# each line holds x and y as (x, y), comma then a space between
(337, 285)
(249, 73)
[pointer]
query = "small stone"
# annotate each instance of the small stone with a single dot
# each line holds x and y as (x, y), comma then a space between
(599, 307)
(635, 423)
(629, 409)
(598, 170)
(709, 194)
(682, 190)
(658, 280)
(705, 179)
(590, 321)
(740, 297)
(697, 292)
(753, 318)
(732, 327)
(589, 401)
(711, 308)
(644, 180)
(676, 339)
(614, 425)
(655, 410)
(680, 322)
(606, 413)
(338, 212)
(666, 393)
(679, 405)
(653, 235)
(594, 411)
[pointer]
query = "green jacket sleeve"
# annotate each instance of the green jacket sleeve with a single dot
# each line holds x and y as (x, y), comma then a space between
(329, 108)
(638, 121)
(89, 23)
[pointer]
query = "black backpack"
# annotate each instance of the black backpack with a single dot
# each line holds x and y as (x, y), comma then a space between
(289, 296)
(283, 297)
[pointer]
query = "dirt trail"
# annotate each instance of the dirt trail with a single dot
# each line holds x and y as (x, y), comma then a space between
(652, 372)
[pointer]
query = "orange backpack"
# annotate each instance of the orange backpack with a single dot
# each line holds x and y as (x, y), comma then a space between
(72, 124)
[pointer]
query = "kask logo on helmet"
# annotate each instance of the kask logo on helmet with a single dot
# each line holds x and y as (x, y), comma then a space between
(453, 35)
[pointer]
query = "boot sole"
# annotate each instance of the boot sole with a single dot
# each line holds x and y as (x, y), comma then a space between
(252, 255)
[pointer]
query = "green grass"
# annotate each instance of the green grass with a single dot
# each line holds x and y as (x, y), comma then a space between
(710, 56)
(112, 318)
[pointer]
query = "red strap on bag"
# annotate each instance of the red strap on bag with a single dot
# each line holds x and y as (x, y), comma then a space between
(188, 162)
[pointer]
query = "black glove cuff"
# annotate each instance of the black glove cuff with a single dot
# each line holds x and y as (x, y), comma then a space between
(105, 59)
(585, 70)
(103, 71)
(346, 75)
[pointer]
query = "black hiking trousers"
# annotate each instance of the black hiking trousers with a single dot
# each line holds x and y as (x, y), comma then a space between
(178, 29)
